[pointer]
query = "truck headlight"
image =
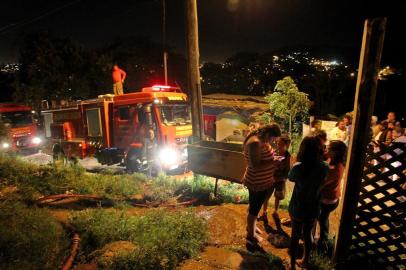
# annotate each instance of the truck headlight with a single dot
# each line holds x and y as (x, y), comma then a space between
(168, 156)
(36, 140)
(5, 145)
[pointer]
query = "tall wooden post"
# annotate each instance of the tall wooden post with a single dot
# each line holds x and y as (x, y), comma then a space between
(369, 65)
(164, 42)
(166, 67)
(193, 68)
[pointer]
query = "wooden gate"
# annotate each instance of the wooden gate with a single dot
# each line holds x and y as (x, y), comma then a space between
(379, 228)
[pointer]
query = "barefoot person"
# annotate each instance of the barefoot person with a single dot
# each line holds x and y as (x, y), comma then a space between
(118, 75)
(308, 174)
(259, 156)
(280, 176)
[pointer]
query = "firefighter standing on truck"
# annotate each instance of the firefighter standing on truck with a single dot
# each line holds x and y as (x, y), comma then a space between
(118, 76)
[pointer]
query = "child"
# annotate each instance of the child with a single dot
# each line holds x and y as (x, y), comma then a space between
(331, 190)
(308, 174)
(280, 175)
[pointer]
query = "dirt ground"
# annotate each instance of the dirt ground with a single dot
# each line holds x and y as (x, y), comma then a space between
(227, 231)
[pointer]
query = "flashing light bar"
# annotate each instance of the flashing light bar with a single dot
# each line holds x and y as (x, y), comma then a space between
(159, 87)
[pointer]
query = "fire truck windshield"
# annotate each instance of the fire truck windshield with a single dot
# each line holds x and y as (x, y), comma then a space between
(175, 114)
(16, 119)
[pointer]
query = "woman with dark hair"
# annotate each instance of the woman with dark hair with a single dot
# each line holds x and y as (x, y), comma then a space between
(259, 157)
(331, 190)
(308, 174)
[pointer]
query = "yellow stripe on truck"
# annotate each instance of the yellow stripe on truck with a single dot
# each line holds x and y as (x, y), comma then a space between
(175, 98)
(188, 127)
(183, 133)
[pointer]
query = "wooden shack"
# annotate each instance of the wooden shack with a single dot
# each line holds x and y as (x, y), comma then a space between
(224, 113)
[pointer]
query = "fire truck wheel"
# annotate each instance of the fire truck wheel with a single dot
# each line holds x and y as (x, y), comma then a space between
(133, 163)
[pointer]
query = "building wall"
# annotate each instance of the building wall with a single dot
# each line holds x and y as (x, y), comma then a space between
(226, 126)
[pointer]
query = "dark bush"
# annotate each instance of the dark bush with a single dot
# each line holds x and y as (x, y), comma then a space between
(30, 238)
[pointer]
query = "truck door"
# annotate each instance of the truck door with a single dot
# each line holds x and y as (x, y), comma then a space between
(125, 126)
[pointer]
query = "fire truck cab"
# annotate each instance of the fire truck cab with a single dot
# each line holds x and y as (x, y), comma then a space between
(114, 128)
(19, 130)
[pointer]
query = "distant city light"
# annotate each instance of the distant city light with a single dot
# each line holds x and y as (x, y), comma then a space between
(385, 72)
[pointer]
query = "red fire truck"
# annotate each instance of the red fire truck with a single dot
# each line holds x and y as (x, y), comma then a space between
(19, 130)
(114, 128)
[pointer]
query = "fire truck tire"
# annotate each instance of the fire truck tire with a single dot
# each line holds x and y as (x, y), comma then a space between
(57, 152)
(132, 161)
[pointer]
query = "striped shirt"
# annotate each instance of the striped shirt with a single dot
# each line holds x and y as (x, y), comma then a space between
(261, 178)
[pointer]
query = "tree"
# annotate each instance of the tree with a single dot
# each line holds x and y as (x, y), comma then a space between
(288, 103)
(51, 68)
(142, 59)
(55, 68)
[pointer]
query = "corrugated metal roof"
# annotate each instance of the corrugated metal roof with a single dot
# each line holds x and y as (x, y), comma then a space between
(235, 102)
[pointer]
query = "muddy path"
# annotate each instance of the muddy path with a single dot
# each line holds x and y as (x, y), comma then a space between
(227, 231)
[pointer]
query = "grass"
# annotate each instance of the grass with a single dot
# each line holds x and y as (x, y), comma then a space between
(34, 180)
(284, 204)
(200, 187)
(30, 238)
(319, 261)
(163, 239)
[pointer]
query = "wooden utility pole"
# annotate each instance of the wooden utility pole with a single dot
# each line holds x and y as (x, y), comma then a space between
(164, 42)
(369, 65)
(193, 68)
(166, 67)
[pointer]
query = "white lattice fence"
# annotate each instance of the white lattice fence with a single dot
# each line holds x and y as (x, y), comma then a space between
(379, 232)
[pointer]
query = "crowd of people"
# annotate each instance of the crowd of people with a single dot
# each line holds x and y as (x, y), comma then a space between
(383, 132)
(317, 176)
(388, 130)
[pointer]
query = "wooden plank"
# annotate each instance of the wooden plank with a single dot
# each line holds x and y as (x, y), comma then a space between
(369, 65)
(215, 162)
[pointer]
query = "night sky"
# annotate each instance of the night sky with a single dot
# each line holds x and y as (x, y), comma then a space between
(226, 26)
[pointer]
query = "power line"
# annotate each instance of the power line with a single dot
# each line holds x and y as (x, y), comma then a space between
(12, 26)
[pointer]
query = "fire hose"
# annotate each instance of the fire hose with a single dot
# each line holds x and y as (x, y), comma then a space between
(150, 205)
(73, 251)
(48, 200)
(67, 265)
